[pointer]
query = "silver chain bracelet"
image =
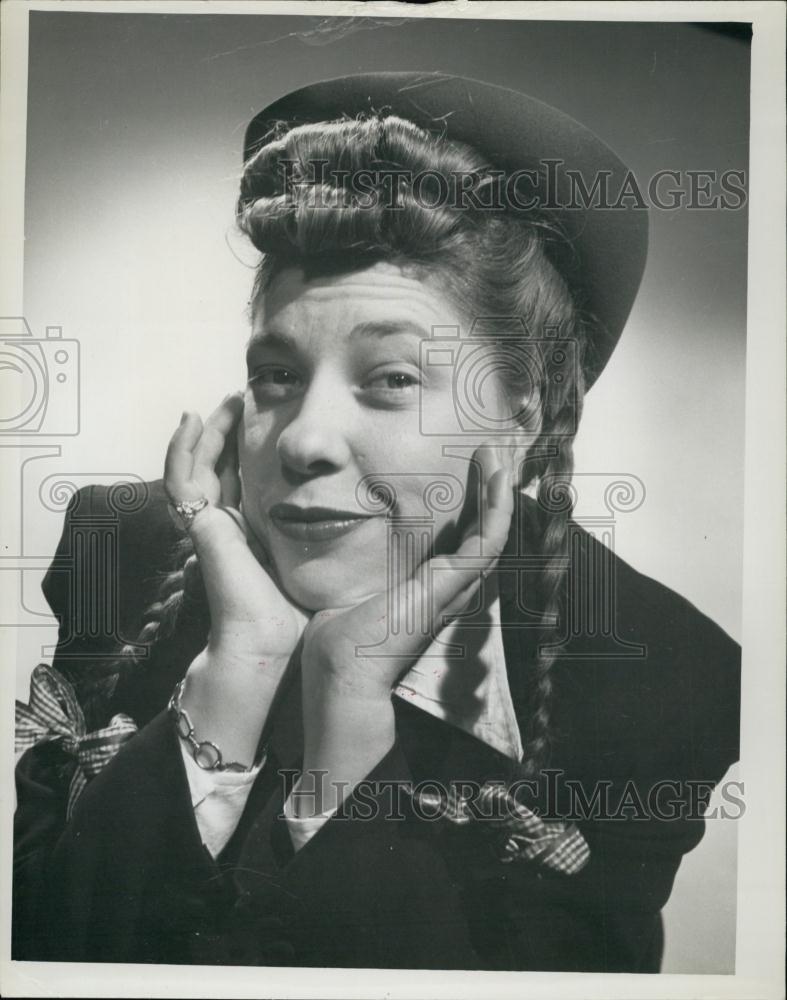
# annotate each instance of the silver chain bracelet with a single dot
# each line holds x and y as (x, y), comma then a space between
(205, 753)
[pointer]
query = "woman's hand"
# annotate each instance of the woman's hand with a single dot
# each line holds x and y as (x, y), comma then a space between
(348, 714)
(254, 628)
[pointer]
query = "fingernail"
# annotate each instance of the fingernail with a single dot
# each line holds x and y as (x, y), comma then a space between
(184, 418)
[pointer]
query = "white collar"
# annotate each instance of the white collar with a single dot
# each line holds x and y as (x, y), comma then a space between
(468, 686)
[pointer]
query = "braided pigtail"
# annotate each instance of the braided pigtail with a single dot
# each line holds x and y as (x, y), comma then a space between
(179, 588)
(161, 616)
(555, 497)
(561, 412)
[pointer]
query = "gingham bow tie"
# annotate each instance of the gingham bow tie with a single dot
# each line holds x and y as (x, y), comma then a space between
(519, 834)
(54, 714)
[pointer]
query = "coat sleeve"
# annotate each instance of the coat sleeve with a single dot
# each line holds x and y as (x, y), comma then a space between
(43, 777)
(128, 878)
(99, 606)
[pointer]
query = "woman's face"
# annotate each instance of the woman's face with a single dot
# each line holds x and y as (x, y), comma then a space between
(340, 389)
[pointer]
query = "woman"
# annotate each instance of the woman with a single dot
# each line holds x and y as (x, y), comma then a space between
(375, 727)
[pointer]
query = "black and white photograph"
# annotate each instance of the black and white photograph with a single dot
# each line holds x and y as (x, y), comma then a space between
(391, 547)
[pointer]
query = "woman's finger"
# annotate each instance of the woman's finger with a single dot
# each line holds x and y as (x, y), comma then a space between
(443, 586)
(229, 483)
(219, 428)
(492, 475)
(179, 460)
(486, 543)
(480, 550)
(227, 471)
(460, 602)
(227, 467)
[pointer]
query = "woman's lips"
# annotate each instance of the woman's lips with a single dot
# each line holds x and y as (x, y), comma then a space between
(314, 524)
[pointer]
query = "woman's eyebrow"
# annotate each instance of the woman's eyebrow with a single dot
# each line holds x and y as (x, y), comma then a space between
(274, 339)
(387, 328)
(279, 340)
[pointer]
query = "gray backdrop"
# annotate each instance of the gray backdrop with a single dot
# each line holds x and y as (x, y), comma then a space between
(135, 126)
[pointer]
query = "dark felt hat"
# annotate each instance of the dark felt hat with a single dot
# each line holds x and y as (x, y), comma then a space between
(604, 253)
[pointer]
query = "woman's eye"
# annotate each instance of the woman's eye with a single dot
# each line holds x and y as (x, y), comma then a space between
(394, 382)
(274, 382)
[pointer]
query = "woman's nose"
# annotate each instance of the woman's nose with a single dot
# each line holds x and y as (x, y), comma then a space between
(315, 441)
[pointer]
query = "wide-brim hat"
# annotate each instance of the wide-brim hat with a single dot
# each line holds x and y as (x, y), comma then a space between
(603, 254)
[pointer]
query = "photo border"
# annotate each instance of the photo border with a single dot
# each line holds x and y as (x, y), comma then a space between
(760, 911)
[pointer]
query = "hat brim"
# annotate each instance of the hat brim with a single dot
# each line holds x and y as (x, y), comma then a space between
(604, 253)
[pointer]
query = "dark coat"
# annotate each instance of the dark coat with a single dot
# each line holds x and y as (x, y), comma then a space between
(127, 879)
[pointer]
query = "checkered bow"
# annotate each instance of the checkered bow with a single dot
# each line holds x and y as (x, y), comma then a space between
(519, 834)
(54, 714)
